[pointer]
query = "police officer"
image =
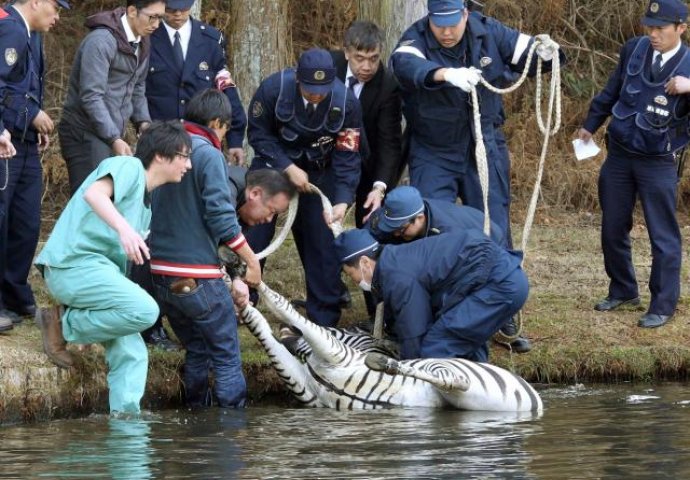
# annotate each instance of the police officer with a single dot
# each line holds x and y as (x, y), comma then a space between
(406, 215)
(305, 122)
(188, 56)
(448, 294)
(649, 126)
(437, 61)
(24, 130)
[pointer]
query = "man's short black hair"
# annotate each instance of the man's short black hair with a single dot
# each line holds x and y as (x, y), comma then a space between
(363, 35)
(209, 105)
(271, 181)
(166, 139)
(139, 4)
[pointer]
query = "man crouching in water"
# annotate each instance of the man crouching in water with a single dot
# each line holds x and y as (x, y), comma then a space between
(84, 261)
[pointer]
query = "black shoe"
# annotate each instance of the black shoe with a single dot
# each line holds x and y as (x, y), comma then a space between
(6, 323)
(608, 304)
(520, 344)
(16, 319)
(653, 320)
(158, 338)
(26, 311)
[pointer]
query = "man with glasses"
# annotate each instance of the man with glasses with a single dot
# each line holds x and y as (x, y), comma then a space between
(106, 87)
(188, 56)
(405, 216)
(24, 130)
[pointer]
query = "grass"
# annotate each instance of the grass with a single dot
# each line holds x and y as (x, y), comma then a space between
(572, 342)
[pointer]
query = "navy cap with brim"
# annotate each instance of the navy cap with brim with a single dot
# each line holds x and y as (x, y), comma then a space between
(317, 89)
(64, 4)
(354, 243)
(402, 204)
(391, 224)
(446, 19)
(179, 4)
(316, 71)
(658, 22)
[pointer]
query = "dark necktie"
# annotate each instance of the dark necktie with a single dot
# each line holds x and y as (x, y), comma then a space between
(177, 51)
(135, 46)
(351, 82)
(656, 67)
(311, 109)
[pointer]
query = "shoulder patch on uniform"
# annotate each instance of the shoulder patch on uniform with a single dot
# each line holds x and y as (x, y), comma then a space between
(405, 43)
(348, 140)
(210, 31)
(257, 109)
(10, 56)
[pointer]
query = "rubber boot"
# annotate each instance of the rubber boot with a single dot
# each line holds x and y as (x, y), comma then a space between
(54, 345)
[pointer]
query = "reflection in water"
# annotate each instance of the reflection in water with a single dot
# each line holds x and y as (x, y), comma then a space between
(584, 433)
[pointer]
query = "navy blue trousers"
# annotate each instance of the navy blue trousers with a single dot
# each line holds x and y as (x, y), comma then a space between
(20, 222)
(623, 179)
(314, 242)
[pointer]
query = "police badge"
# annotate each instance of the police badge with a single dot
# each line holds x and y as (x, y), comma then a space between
(10, 56)
(203, 66)
(661, 100)
(654, 7)
(319, 75)
(257, 109)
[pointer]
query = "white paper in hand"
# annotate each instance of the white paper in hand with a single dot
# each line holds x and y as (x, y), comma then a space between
(585, 150)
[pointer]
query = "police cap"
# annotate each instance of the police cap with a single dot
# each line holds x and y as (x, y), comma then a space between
(445, 13)
(354, 243)
(179, 4)
(316, 72)
(665, 12)
(402, 205)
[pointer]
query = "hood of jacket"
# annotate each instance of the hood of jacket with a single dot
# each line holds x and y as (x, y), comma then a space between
(111, 20)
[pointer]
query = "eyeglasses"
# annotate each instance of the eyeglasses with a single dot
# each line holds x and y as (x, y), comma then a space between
(152, 18)
(183, 154)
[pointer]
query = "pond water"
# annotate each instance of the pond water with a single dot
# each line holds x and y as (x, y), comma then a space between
(622, 431)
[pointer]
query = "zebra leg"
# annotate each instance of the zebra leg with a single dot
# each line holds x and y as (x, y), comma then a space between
(381, 363)
(289, 369)
(323, 344)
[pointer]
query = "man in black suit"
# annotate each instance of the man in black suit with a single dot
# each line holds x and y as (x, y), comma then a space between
(360, 67)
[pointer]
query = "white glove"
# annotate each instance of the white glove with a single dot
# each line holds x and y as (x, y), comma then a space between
(547, 48)
(463, 78)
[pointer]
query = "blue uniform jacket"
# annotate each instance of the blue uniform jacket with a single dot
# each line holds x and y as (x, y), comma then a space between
(442, 217)
(168, 90)
(328, 140)
(21, 76)
(438, 114)
(421, 280)
(191, 218)
(645, 119)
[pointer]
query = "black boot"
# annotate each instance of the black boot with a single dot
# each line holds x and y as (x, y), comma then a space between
(519, 345)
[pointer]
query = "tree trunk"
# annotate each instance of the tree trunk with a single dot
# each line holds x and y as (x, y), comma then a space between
(393, 16)
(259, 42)
(196, 9)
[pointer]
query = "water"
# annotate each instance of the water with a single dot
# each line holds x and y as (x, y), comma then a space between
(601, 432)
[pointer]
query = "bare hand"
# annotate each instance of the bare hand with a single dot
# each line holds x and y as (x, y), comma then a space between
(298, 177)
(253, 275)
(584, 135)
(374, 200)
(236, 156)
(339, 211)
(678, 85)
(42, 123)
(120, 147)
(43, 142)
(7, 149)
(135, 247)
(240, 293)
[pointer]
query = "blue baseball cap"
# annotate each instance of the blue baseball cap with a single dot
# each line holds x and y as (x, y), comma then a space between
(401, 205)
(63, 4)
(179, 4)
(316, 72)
(354, 243)
(665, 12)
(445, 13)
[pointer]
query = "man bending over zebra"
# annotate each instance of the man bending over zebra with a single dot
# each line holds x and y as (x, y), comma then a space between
(447, 295)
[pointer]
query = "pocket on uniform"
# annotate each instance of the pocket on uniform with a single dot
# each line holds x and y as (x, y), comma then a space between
(205, 77)
(194, 304)
(439, 127)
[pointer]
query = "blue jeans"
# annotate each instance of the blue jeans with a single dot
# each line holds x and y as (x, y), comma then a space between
(204, 320)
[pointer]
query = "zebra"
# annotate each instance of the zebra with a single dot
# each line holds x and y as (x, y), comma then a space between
(334, 374)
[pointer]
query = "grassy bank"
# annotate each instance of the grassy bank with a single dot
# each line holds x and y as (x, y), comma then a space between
(572, 342)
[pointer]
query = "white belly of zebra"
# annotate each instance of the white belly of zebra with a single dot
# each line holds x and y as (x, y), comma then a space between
(331, 373)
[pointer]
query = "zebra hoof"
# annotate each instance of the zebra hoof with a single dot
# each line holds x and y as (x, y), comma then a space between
(381, 363)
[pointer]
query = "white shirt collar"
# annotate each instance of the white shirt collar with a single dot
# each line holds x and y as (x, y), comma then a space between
(128, 30)
(358, 86)
(28, 29)
(185, 35)
(665, 57)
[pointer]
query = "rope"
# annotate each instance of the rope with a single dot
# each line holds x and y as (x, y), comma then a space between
(546, 129)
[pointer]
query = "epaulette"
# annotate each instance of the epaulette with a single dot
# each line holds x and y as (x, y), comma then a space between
(210, 31)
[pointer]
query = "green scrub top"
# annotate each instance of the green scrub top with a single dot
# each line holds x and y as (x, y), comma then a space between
(81, 236)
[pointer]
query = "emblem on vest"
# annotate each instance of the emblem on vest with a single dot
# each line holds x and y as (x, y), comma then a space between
(10, 56)
(484, 61)
(661, 100)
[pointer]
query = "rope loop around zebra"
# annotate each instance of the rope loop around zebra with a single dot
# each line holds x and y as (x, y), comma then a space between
(547, 130)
